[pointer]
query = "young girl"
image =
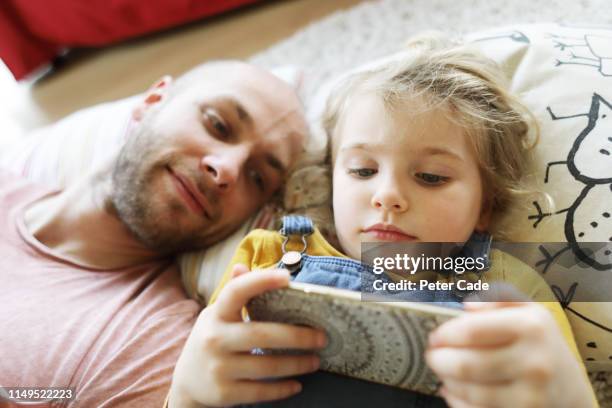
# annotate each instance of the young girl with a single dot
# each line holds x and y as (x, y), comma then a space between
(428, 148)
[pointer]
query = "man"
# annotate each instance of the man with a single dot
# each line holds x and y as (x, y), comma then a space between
(92, 299)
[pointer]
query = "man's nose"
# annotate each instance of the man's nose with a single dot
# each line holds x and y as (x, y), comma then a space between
(224, 167)
(388, 197)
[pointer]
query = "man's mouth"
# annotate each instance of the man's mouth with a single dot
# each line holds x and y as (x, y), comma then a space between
(191, 195)
(388, 232)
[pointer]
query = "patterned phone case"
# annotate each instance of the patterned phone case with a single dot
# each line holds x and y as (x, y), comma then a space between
(383, 342)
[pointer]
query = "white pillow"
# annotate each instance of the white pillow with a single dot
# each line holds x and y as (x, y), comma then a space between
(59, 154)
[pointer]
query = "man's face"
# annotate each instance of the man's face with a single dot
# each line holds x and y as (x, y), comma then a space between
(199, 164)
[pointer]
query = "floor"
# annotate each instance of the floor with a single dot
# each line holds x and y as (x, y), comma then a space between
(129, 68)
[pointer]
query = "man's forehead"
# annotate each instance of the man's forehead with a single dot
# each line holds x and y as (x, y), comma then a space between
(269, 101)
(258, 98)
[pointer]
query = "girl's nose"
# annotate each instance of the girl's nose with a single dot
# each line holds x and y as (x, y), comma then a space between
(389, 199)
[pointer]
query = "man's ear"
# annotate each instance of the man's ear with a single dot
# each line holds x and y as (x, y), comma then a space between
(486, 213)
(156, 93)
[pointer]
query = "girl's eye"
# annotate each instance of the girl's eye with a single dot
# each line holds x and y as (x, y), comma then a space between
(362, 172)
(431, 179)
(217, 124)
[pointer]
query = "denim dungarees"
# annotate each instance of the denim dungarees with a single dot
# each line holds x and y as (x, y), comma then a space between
(324, 389)
(345, 273)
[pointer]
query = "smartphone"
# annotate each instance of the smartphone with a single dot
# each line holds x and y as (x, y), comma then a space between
(383, 342)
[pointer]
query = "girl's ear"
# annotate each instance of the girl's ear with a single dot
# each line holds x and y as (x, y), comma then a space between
(486, 213)
(154, 94)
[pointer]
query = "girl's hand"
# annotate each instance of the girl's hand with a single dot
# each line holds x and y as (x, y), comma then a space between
(506, 355)
(216, 367)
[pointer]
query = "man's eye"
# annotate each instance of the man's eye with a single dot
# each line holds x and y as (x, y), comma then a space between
(219, 127)
(431, 179)
(363, 172)
(258, 180)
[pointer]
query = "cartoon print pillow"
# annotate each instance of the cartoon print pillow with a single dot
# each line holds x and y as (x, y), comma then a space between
(564, 75)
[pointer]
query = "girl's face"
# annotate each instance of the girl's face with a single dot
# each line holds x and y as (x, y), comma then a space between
(403, 177)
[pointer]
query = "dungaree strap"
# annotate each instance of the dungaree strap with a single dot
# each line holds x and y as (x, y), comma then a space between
(296, 225)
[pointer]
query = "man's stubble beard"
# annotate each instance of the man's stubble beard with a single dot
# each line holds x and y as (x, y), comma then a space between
(133, 200)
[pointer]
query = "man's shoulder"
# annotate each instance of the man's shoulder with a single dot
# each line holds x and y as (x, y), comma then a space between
(166, 293)
(17, 187)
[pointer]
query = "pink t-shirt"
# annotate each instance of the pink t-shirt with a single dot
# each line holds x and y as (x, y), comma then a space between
(113, 335)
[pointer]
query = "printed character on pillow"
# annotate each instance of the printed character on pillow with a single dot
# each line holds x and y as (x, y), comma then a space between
(563, 75)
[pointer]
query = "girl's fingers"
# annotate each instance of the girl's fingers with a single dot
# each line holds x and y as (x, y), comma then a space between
(258, 367)
(267, 335)
(496, 395)
(454, 401)
(488, 328)
(482, 366)
(486, 395)
(239, 269)
(241, 289)
(245, 392)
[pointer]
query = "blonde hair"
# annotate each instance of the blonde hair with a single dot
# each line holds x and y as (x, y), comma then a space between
(472, 90)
